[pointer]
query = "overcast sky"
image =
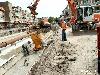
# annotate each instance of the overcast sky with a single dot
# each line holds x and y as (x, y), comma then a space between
(45, 8)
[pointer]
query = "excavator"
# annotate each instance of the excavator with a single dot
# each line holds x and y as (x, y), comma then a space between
(83, 17)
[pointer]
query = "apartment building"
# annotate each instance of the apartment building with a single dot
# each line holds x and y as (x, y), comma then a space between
(13, 15)
(6, 15)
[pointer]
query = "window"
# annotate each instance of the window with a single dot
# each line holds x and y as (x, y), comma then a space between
(90, 11)
(96, 0)
(97, 9)
(80, 14)
(2, 16)
(23, 17)
(85, 11)
(85, 1)
(80, 11)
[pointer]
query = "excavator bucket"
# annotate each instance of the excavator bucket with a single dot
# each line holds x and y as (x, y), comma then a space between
(37, 41)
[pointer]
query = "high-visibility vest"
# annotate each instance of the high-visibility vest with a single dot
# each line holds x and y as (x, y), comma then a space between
(64, 25)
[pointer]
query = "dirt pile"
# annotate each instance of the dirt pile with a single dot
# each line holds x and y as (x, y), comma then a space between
(56, 60)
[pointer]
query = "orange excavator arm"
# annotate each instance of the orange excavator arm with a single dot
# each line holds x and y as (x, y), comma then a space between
(33, 8)
(72, 6)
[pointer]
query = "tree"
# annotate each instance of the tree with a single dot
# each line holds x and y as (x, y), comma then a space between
(51, 19)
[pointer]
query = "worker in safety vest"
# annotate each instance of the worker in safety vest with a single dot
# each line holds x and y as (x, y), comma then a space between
(64, 26)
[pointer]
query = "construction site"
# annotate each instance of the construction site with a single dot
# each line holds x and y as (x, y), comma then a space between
(65, 45)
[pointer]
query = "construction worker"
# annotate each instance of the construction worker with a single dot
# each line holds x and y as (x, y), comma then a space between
(25, 48)
(64, 26)
(37, 40)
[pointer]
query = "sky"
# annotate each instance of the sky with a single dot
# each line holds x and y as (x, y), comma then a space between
(45, 8)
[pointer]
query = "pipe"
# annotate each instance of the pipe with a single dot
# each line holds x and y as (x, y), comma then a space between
(4, 43)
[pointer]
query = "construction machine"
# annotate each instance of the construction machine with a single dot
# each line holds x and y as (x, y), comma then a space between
(83, 17)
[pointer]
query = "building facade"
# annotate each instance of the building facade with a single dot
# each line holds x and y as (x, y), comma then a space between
(14, 15)
(8, 9)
